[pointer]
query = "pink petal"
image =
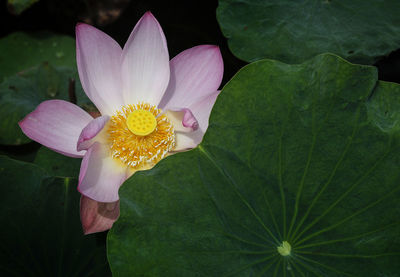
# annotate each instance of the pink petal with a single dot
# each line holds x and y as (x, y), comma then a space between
(183, 120)
(195, 73)
(101, 175)
(86, 138)
(201, 110)
(145, 64)
(99, 60)
(97, 216)
(56, 124)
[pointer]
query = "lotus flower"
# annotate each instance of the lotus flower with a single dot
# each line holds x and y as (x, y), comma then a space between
(150, 108)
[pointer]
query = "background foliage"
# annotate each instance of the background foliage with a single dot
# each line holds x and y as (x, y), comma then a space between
(294, 31)
(41, 231)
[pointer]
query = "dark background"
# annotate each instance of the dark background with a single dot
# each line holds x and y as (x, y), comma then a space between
(185, 24)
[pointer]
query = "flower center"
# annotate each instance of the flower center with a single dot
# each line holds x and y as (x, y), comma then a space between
(140, 135)
(141, 122)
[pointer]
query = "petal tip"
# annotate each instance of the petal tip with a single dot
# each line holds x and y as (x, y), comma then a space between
(21, 123)
(216, 49)
(149, 15)
(85, 28)
(189, 120)
(79, 26)
(212, 46)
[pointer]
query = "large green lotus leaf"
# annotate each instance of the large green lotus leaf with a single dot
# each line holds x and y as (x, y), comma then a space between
(293, 31)
(296, 153)
(21, 93)
(56, 164)
(40, 233)
(20, 51)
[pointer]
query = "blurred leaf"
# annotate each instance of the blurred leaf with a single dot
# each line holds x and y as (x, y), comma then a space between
(41, 234)
(21, 93)
(56, 164)
(295, 153)
(18, 6)
(20, 51)
(294, 31)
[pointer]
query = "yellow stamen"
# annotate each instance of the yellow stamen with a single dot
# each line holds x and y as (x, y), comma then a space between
(141, 122)
(140, 136)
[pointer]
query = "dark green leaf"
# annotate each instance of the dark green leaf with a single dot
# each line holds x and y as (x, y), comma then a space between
(20, 51)
(293, 31)
(40, 231)
(296, 153)
(18, 6)
(20, 94)
(56, 164)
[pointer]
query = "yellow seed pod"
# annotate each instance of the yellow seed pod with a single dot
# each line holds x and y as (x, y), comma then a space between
(141, 122)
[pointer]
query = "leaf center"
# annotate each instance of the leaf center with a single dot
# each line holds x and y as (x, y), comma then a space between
(284, 249)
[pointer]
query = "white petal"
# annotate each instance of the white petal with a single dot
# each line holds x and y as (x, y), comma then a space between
(99, 64)
(195, 73)
(201, 110)
(101, 175)
(145, 64)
